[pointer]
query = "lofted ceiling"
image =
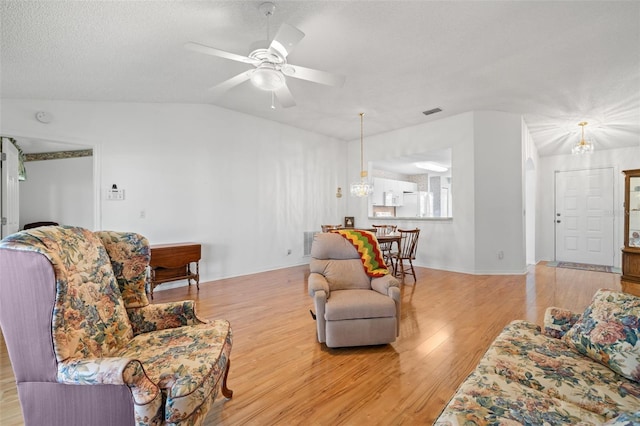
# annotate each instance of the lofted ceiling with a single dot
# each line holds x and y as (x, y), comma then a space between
(556, 63)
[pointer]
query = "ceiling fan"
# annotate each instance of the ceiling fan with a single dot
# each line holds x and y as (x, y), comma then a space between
(270, 62)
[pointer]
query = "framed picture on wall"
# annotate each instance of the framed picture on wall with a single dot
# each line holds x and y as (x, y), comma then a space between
(348, 222)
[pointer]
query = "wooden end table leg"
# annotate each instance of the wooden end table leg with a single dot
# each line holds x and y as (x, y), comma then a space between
(198, 275)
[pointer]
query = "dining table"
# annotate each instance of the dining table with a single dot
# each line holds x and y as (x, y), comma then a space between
(390, 238)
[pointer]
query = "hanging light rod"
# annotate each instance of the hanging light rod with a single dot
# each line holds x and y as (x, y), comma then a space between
(364, 187)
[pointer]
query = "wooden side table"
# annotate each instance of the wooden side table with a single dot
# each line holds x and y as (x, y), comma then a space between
(172, 262)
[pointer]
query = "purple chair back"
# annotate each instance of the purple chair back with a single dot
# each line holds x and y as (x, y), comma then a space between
(28, 291)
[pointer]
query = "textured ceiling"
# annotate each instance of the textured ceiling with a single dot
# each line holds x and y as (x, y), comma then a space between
(556, 63)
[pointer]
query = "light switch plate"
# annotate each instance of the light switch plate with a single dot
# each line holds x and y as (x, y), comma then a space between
(115, 194)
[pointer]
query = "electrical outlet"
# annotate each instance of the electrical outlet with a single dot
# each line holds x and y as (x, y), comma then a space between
(288, 252)
(500, 254)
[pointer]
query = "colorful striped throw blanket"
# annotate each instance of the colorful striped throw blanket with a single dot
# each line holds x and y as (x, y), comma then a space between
(367, 246)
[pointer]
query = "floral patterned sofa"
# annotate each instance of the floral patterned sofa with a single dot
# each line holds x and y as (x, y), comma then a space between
(582, 369)
(86, 346)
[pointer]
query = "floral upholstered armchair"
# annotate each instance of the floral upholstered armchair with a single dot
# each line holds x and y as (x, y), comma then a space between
(86, 346)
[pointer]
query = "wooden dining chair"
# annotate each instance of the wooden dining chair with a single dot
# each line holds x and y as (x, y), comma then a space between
(385, 247)
(407, 252)
(327, 228)
(385, 229)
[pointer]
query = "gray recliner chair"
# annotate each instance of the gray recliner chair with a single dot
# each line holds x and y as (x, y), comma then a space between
(352, 309)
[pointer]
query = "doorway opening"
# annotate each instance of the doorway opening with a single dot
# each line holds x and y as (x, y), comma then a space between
(61, 183)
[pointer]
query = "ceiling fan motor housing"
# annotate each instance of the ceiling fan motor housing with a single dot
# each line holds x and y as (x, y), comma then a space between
(265, 55)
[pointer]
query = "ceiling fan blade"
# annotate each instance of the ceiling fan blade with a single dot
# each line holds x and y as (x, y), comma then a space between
(285, 97)
(232, 82)
(315, 76)
(201, 48)
(286, 39)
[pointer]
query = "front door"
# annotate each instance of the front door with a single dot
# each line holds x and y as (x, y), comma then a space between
(584, 216)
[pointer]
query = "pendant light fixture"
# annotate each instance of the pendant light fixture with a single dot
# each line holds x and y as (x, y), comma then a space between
(582, 146)
(364, 187)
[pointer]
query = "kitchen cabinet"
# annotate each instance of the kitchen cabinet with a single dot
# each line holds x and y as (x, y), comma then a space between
(381, 189)
(630, 280)
(378, 192)
(408, 186)
(393, 193)
(390, 192)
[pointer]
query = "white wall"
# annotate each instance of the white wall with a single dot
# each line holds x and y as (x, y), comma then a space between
(59, 191)
(244, 187)
(618, 159)
(531, 160)
(499, 193)
(443, 244)
(247, 188)
(487, 223)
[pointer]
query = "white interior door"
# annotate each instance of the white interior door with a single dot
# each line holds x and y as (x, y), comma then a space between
(584, 216)
(9, 198)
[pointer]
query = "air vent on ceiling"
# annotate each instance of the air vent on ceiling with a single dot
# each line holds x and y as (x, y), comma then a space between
(431, 111)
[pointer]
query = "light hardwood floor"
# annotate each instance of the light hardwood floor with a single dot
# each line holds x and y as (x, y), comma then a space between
(281, 375)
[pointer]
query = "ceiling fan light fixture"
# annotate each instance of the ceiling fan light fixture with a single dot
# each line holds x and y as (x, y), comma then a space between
(268, 79)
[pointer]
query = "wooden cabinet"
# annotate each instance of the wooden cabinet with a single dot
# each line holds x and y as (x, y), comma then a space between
(630, 279)
(390, 192)
(172, 262)
(377, 198)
